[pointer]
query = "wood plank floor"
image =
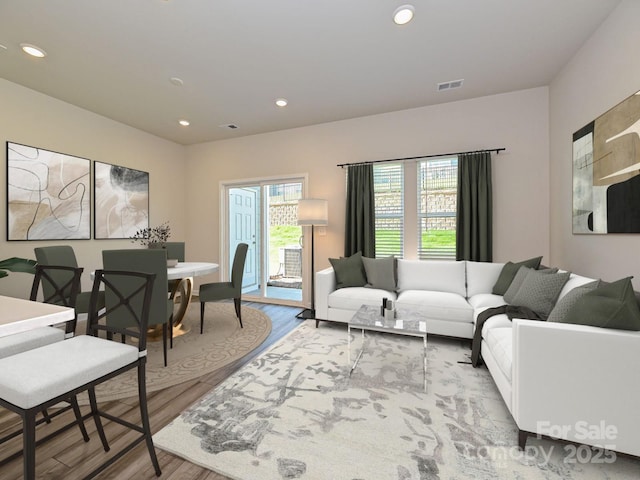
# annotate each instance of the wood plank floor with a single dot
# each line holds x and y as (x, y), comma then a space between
(68, 457)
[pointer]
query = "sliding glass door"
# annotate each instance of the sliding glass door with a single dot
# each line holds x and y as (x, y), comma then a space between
(263, 214)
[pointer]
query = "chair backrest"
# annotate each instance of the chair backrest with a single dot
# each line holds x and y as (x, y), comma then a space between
(60, 286)
(56, 255)
(175, 250)
(147, 261)
(237, 271)
(128, 304)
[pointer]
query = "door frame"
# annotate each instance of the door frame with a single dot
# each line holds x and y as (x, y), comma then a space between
(224, 186)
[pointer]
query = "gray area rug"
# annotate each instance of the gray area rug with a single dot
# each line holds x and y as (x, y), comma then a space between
(295, 412)
(193, 354)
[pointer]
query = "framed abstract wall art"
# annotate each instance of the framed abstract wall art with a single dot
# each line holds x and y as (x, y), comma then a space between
(606, 172)
(48, 195)
(121, 201)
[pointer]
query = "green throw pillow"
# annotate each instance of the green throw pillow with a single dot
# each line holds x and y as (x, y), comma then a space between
(380, 273)
(612, 305)
(509, 271)
(566, 303)
(349, 271)
(540, 290)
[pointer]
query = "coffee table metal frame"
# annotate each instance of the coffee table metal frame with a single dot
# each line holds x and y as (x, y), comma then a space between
(406, 322)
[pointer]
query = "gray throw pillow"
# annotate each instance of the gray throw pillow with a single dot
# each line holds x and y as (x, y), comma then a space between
(349, 271)
(509, 271)
(518, 280)
(380, 273)
(566, 303)
(611, 305)
(539, 291)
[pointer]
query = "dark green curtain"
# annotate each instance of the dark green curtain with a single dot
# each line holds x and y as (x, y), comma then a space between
(474, 238)
(360, 214)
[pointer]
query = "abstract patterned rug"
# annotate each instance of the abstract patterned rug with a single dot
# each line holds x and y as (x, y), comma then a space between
(295, 412)
(193, 355)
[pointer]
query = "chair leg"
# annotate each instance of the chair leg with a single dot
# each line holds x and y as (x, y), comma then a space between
(97, 419)
(164, 342)
(201, 317)
(144, 415)
(76, 411)
(237, 303)
(46, 416)
(29, 445)
(170, 331)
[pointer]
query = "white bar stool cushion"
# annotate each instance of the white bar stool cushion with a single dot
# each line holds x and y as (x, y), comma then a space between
(33, 377)
(21, 342)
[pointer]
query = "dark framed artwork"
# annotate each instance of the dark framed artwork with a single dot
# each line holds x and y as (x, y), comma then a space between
(606, 172)
(48, 195)
(121, 200)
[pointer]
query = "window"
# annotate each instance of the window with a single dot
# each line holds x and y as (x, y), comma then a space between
(434, 215)
(437, 200)
(388, 187)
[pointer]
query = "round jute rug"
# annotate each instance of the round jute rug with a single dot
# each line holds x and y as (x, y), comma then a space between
(193, 354)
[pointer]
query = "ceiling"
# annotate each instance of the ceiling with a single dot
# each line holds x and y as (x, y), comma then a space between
(331, 59)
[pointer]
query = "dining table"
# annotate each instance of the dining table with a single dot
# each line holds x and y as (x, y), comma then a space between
(19, 315)
(183, 273)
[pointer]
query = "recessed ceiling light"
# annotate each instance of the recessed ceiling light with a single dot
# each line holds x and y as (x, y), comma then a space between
(403, 14)
(281, 102)
(33, 50)
(184, 123)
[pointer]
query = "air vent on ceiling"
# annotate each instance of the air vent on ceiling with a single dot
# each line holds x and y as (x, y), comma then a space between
(232, 126)
(450, 85)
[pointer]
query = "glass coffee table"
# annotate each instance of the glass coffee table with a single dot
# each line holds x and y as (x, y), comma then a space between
(406, 321)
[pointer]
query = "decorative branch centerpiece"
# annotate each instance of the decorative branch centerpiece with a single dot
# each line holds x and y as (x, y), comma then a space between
(155, 237)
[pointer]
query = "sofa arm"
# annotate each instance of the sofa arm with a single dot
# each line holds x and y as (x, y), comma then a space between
(325, 284)
(578, 383)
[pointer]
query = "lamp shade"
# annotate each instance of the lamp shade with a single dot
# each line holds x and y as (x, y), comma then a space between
(313, 211)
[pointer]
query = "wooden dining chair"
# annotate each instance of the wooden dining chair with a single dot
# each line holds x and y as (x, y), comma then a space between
(37, 379)
(149, 261)
(213, 292)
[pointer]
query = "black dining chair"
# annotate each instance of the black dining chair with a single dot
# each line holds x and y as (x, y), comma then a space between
(38, 379)
(60, 286)
(149, 261)
(213, 292)
(65, 256)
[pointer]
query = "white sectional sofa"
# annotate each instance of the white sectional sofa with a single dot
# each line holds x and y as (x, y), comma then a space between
(564, 381)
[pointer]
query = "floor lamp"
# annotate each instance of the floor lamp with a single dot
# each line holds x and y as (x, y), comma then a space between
(314, 212)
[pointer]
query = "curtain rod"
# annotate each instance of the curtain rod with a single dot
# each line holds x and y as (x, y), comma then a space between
(497, 150)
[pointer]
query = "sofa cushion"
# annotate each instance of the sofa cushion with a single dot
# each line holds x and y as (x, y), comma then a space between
(509, 271)
(501, 320)
(381, 272)
(353, 298)
(500, 342)
(539, 291)
(432, 275)
(566, 303)
(349, 271)
(482, 276)
(485, 300)
(437, 305)
(611, 305)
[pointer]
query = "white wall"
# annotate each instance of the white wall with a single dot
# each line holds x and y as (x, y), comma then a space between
(31, 118)
(604, 72)
(517, 121)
